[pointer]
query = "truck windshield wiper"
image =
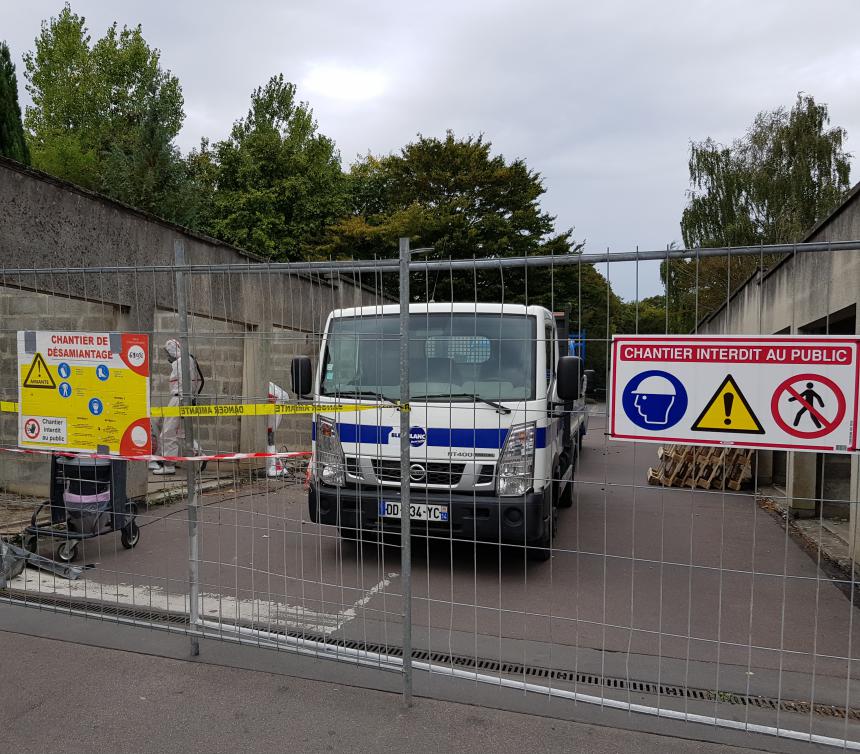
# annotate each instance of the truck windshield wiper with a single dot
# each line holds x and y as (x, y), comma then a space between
(361, 394)
(451, 396)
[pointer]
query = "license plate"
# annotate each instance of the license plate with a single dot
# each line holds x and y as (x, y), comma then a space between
(417, 511)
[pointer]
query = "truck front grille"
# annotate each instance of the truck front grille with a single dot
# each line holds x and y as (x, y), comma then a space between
(440, 473)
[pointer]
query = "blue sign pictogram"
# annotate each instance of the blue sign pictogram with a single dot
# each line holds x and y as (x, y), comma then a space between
(102, 372)
(654, 400)
(65, 389)
(64, 370)
(95, 406)
(417, 436)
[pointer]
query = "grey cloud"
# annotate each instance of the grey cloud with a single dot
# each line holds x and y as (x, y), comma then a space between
(601, 98)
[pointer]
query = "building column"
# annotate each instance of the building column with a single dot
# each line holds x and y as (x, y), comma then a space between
(853, 512)
(764, 467)
(800, 484)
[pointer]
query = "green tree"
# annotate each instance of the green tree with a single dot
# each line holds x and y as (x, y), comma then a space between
(276, 183)
(770, 186)
(450, 193)
(12, 142)
(105, 115)
(456, 196)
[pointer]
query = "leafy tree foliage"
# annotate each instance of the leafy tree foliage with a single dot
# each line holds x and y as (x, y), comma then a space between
(275, 182)
(770, 186)
(456, 196)
(450, 193)
(105, 115)
(12, 142)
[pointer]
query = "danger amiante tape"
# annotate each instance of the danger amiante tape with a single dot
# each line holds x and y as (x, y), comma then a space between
(243, 409)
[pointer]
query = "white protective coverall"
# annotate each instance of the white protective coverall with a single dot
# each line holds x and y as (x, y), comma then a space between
(172, 429)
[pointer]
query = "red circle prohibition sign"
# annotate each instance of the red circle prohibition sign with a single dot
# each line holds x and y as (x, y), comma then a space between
(32, 435)
(786, 387)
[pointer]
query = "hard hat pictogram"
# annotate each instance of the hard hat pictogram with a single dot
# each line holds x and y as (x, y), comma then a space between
(654, 399)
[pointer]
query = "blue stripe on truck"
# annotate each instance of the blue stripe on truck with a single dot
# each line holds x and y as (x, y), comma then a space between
(437, 437)
(364, 433)
(445, 437)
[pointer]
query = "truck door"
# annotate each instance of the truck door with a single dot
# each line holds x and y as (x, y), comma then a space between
(554, 435)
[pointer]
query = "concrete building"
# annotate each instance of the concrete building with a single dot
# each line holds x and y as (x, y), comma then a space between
(809, 293)
(244, 327)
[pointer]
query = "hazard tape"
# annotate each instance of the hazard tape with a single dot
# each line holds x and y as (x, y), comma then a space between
(259, 409)
(169, 459)
(245, 409)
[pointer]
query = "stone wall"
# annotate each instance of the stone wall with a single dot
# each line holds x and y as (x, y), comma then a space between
(245, 324)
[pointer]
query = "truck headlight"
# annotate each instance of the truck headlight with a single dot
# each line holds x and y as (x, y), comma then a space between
(517, 462)
(330, 462)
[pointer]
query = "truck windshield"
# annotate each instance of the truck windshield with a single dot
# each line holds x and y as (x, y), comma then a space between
(489, 356)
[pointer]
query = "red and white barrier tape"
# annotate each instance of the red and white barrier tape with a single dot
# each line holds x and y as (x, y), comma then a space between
(169, 459)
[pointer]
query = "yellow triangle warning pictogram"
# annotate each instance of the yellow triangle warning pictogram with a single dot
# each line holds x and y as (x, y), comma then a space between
(728, 411)
(39, 374)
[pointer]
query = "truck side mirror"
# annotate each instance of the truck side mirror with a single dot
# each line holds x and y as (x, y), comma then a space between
(589, 380)
(568, 376)
(300, 369)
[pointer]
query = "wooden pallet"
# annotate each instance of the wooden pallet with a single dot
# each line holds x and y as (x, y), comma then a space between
(707, 468)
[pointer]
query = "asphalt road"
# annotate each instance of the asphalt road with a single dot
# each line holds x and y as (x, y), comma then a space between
(662, 585)
(90, 699)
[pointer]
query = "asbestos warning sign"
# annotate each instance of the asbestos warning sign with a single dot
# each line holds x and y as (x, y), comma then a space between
(784, 392)
(84, 391)
(38, 375)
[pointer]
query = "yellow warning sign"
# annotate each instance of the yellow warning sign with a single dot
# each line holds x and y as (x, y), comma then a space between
(728, 411)
(39, 374)
(85, 392)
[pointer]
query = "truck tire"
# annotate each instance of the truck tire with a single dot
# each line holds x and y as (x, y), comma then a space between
(565, 498)
(541, 550)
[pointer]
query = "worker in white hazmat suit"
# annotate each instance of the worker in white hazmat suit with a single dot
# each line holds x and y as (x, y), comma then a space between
(172, 430)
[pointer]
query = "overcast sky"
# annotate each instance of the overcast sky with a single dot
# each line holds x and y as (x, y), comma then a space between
(602, 98)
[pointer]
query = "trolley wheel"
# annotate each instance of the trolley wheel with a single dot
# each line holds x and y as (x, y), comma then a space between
(30, 543)
(67, 551)
(130, 535)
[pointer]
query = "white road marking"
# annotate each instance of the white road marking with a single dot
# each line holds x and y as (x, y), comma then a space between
(218, 607)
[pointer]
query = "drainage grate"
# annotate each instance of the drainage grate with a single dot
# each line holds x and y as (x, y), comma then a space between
(484, 665)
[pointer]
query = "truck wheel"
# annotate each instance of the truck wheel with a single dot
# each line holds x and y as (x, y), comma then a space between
(541, 550)
(565, 498)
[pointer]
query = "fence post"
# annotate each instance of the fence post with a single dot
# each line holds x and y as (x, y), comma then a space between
(405, 522)
(190, 466)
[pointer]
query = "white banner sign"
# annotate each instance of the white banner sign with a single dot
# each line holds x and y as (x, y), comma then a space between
(781, 392)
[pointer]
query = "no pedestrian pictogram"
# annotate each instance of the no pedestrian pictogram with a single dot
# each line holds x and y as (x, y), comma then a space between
(808, 405)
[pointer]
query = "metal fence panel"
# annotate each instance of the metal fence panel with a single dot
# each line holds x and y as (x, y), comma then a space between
(703, 586)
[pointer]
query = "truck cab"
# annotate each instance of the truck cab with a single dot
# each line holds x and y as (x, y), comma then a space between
(496, 416)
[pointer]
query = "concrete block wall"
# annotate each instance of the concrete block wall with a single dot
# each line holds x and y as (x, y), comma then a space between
(293, 431)
(245, 324)
(26, 310)
(218, 347)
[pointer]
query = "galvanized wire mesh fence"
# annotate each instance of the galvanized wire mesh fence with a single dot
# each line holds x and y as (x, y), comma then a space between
(540, 558)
